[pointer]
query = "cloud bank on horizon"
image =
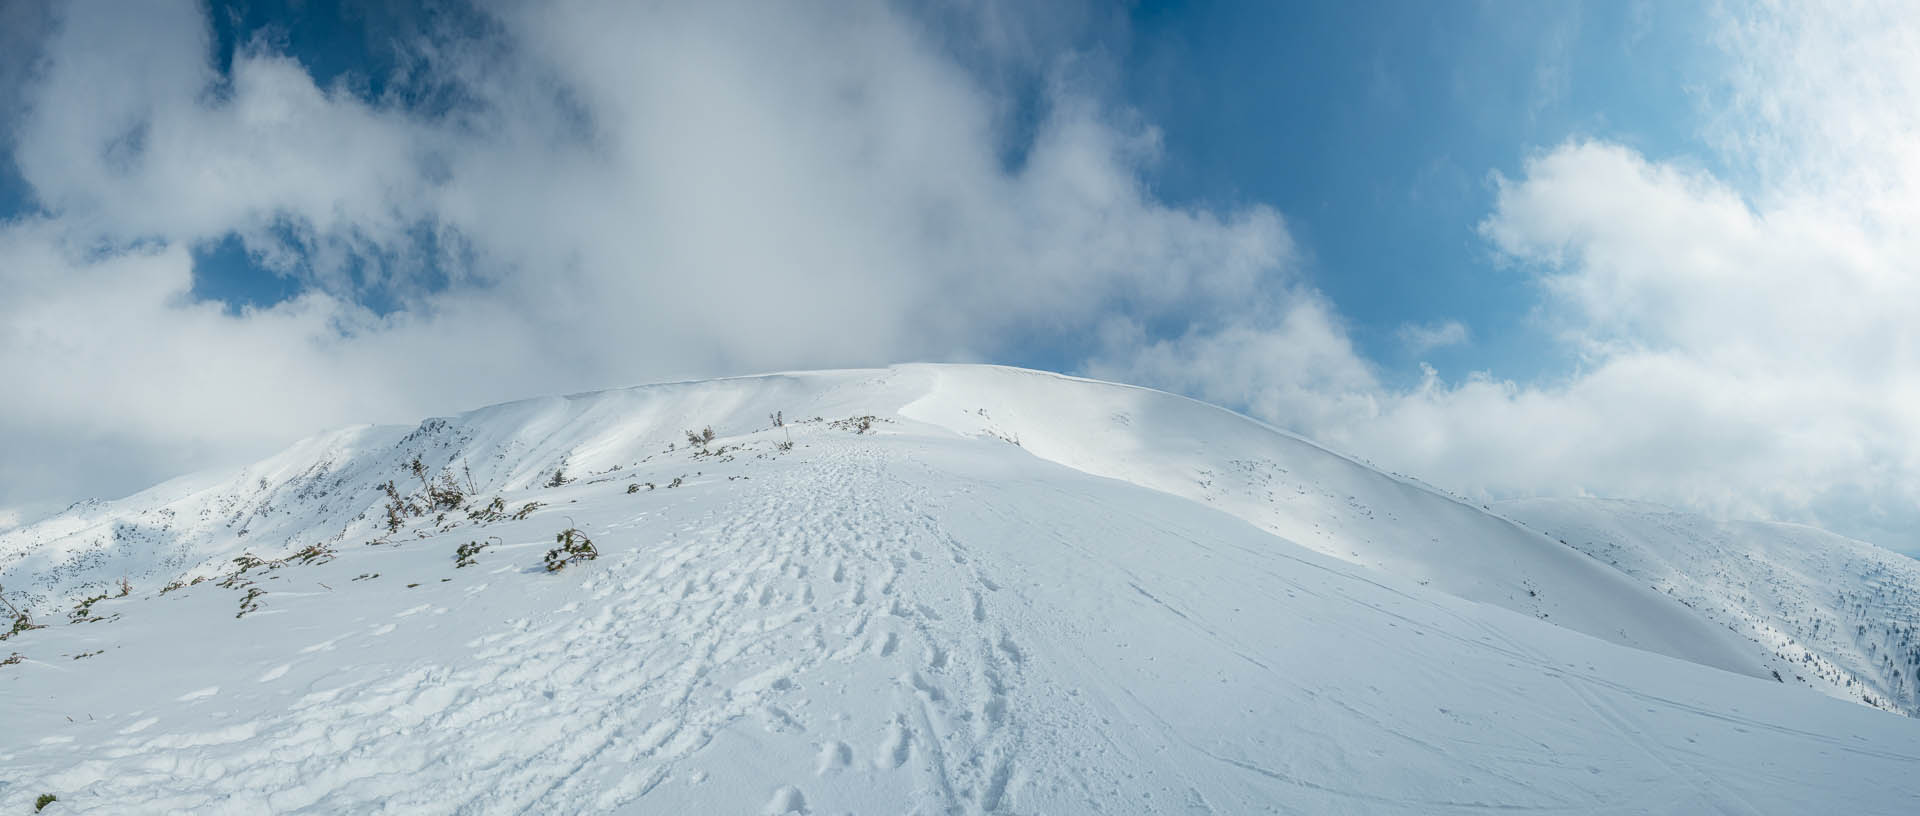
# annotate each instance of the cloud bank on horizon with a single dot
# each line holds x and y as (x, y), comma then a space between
(544, 200)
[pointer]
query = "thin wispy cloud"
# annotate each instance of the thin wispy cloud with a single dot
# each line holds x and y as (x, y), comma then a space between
(1420, 338)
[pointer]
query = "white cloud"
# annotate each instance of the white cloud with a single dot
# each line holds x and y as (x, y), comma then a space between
(1291, 362)
(1748, 346)
(630, 194)
(1749, 349)
(1420, 338)
(626, 194)
(1744, 357)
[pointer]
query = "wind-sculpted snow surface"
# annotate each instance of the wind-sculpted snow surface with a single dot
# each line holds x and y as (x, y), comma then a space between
(875, 611)
(1843, 614)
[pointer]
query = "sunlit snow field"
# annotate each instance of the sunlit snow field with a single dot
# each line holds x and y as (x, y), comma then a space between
(958, 590)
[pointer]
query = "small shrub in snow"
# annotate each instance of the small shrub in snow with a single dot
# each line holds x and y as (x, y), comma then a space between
(493, 511)
(251, 601)
(21, 623)
(464, 554)
(700, 438)
(435, 495)
(313, 553)
(859, 424)
(398, 508)
(21, 620)
(633, 488)
(526, 510)
(12, 659)
(83, 611)
(445, 494)
(45, 799)
(242, 564)
(559, 476)
(574, 546)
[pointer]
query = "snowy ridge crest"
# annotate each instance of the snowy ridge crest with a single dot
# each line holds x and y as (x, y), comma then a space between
(328, 490)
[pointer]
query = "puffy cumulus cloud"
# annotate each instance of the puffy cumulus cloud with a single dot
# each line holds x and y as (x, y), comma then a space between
(1289, 361)
(553, 198)
(128, 132)
(1745, 356)
(1751, 343)
(1748, 346)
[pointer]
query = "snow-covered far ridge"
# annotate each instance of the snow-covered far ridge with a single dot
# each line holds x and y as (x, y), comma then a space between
(931, 589)
(1843, 614)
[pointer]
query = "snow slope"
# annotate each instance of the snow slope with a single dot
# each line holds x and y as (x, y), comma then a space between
(1317, 499)
(1844, 614)
(324, 490)
(902, 612)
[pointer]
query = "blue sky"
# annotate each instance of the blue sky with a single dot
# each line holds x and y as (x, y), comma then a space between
(1636, 249)
(1375, 133)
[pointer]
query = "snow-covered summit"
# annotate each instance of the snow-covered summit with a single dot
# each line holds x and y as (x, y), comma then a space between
(924, 589)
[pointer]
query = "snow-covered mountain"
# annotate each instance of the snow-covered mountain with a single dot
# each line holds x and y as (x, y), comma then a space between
(327, 490)
(928, 589)
(1844, 613)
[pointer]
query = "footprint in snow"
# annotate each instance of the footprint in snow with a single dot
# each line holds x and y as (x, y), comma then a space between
(787, 800)
(833, 756)
(894, 747)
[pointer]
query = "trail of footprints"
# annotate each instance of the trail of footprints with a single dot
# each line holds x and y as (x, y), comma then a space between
(959, 743)
(619, 694)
